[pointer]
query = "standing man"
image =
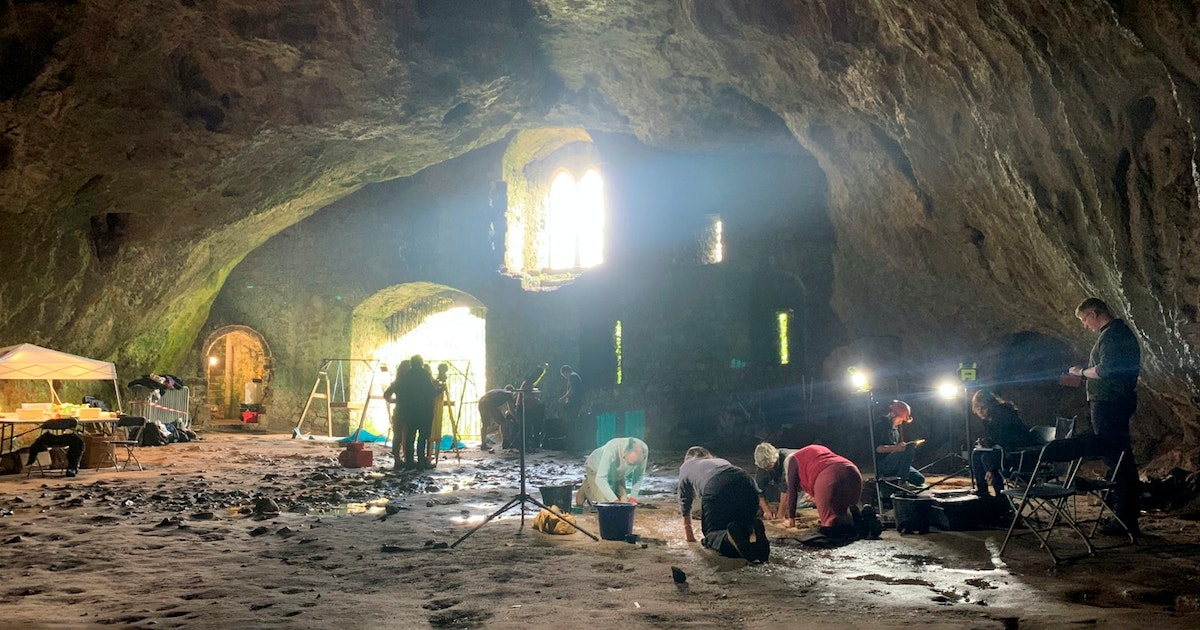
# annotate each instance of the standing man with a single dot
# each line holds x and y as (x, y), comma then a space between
(1112, 373)
(389, 395)
(415, 393)
(614, 472)
(728, 506)
(572, 402)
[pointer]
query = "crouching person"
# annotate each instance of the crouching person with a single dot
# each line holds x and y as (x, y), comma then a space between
(728, 506)
(614, 472)
(833, 482)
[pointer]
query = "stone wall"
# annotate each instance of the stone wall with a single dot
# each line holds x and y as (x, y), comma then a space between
(684, 324)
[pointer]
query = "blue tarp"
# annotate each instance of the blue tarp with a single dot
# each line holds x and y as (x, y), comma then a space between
(362, 435)
(447, 442)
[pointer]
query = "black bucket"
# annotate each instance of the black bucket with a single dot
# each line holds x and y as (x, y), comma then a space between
(914, 513)
(558, 495)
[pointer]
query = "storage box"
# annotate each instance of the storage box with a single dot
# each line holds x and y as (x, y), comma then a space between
(351, 458)
(30, 414)
(96, 451)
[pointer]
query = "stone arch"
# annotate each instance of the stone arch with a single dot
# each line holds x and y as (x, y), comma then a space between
(233, 355)
(383, 322)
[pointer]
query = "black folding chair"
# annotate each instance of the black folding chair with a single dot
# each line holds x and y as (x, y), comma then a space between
(1040, 504)
(45, 459)
(127, 434)
(1064, 427)
(1100, 490)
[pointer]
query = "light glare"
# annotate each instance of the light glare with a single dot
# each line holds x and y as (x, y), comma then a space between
(860, 380)
(948, 390)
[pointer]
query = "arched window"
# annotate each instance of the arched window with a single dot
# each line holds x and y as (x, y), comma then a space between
(575, 221)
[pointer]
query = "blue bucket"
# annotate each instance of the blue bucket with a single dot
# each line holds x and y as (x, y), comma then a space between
(616, 520)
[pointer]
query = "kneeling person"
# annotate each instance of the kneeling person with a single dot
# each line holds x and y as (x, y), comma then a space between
(614, 472)
(833, 482)
(728, 506)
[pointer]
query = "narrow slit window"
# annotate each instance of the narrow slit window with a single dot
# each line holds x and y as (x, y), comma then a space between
(713, 248)
(618, 376)
(783, 325)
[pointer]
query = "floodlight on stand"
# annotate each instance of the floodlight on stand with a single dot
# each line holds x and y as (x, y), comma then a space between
(860, 380)
(948, 389)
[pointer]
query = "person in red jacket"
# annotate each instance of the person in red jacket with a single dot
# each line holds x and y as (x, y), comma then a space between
(832, 481)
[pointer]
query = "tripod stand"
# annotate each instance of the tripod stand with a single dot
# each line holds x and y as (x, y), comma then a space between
(962, 457)
(523, 495)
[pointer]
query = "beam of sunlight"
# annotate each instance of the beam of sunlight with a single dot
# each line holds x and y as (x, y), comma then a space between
(456, 336)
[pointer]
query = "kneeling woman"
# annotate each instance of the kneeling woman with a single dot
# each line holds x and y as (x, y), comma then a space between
(832, 481)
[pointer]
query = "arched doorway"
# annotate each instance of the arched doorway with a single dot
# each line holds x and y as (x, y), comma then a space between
(233, 355)
(444, 325)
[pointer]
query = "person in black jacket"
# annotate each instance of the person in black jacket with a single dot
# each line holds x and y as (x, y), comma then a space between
(1005, 433)
(1112, 374)
(415, 392)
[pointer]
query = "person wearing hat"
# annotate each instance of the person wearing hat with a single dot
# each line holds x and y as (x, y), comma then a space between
(893, 456)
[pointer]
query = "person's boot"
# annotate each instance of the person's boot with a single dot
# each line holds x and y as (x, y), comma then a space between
(871, 522)
(860, 526)
(738, 537)
(762, 544)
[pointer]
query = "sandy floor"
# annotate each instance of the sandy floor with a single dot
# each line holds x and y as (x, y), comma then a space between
(182, 545)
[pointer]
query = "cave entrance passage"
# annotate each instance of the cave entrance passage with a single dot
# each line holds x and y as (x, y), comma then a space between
(446, 327)
(235, 356)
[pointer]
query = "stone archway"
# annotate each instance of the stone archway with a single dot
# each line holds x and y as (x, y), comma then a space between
(441, 323)
(233, 356)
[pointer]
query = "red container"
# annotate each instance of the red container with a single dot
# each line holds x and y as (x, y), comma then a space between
(356, 458)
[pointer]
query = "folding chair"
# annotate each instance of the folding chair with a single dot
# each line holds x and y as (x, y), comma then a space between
(1039, 504)
(127, 434)
(1100, 489)
(1064, 427)
(1019, 465)
(45, 459)
(1044, 433)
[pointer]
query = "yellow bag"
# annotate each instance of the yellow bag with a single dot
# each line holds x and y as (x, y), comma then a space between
(551, 524)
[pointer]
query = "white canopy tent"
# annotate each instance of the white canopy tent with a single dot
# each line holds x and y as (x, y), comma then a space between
(27, 362)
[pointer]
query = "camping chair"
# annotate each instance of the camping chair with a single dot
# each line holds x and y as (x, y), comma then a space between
(1040, 504)
(127, 434)
(45, 459)
(1064, 427)
(1100, 490)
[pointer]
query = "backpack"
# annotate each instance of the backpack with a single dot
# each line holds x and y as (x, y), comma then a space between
(155, 434)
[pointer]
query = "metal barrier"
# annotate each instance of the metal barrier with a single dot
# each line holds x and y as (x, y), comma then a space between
(174, 406)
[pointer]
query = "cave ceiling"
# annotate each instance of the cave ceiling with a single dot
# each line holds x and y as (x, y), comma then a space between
(989, 163)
